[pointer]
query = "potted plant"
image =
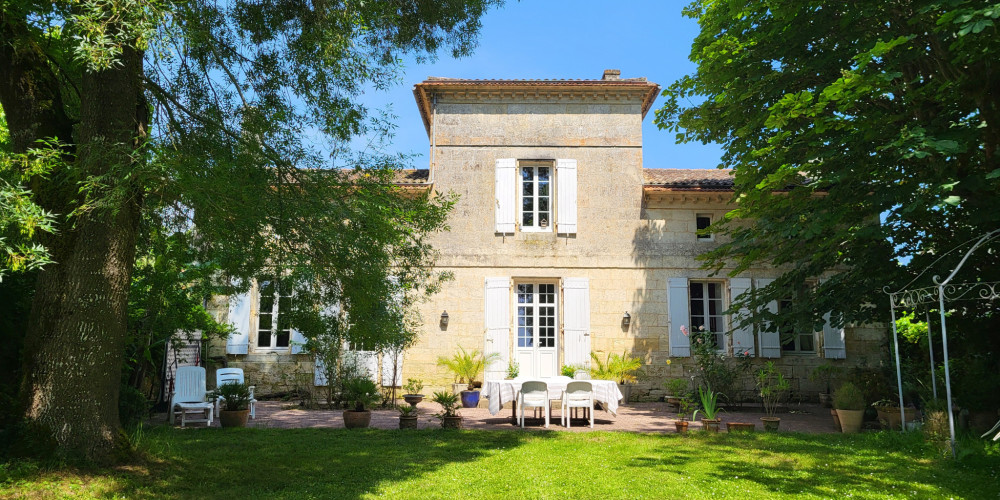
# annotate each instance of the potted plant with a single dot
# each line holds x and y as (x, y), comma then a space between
(710, 407)
(677, 389)
(771, 385)
(450, 419)
(412, 395)
(235, 404)
(408, 417)
(849, 402)
(362, 393)
(825, 373)
(466, 367)
(888, 413)
(684, 408)
(513, 370)
(621, 369)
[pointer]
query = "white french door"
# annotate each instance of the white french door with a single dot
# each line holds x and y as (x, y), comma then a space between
(536, 349)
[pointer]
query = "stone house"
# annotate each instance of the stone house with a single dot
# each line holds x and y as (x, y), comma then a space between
(562, 244)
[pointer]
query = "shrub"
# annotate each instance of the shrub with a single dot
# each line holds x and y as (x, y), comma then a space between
(236, 396)
(621, 369)
(448, 402)
(360, 391)
(849, 397)
(133, 407)
(465, 365)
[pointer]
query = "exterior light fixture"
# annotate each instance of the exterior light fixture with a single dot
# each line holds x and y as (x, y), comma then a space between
(626, 320)
(444, 319)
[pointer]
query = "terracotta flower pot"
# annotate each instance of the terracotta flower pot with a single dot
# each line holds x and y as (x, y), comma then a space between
(408, 422)
(354, 419)
(836, 419)
(888, 416)
(711, 424)
(850, 420)
(234, 418)
(681, 425)
(451, 422)
(771, 423)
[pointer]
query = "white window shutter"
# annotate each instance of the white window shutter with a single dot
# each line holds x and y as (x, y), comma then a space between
(576, 321)
(833, 340)
(506, 194)
(677, 307)
(392, 368)
(319, 373)
(742, 337)
(566, 196)
(298, 342)
(497, 314)
(239, 318)
(770, 342)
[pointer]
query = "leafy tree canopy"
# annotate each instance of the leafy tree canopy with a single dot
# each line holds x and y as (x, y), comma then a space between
(859, 133)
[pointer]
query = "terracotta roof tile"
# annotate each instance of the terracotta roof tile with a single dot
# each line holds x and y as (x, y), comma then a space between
(412, 176)
(688, 179)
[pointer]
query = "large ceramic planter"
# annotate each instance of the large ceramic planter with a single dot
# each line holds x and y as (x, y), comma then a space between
(850, 420)
(836, 419)
(771, 423)
(354, 419)
(451, 422)
(711, 424)
(681, 425)
(626, 390)
(470, 399)
(413, 399)
(740, 426)
(234, 418)
(888, 416)
(408, 422)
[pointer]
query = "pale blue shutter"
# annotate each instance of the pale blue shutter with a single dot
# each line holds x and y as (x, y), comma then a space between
(566, 196)
(834, 346)
(576, 321)
(742, 337)
(319, 374)
(506, 195)
(496, 311)
(239, 318)
(770, 341)
(677, 307)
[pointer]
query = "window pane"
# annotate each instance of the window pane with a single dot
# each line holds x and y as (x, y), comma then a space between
(806, 343)
(264, 322)
(528, 219)
(527, 189)
(266, 303)
(527, 204)
(697, 291)
(714, 306)
(715, 290)
(715, 324)
(283, 339)
(543, 204)
(263, 339)
(527, 173)
(543, 189)
(543, 174)
(696, 322)
(703, 222)
(697, 308)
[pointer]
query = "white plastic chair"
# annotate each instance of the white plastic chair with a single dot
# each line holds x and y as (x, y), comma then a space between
(232, 375)
(190, 395)
(578, 394)
(534, 393)
(581, 375)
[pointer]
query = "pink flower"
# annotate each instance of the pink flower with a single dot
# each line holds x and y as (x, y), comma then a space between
(684, 330)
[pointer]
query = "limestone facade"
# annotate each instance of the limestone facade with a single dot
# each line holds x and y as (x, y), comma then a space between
(634, 235)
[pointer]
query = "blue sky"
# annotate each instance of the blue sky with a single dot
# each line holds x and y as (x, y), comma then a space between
(568, 39)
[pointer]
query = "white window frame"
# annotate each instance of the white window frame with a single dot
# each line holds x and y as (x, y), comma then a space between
(536, 228)
(708, 237)
(720, 336)
(797, 335)
(275, 315)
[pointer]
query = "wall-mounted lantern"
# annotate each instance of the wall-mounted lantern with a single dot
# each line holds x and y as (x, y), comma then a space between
(626, 320)
(444, 319)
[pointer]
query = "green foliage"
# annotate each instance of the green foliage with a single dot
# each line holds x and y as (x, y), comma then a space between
(709, 404)
(620, 368)
(448, 402)
(413, 386)
(678, 387)
(848, 397)
(513, 369)
(236, 396)
(716, 371)
(570, 370)
(825, 373)
(407, 411)
(361, 392)
(772, 387)
(466, 366)
(133, 407)
(911, 330)
(858, 134)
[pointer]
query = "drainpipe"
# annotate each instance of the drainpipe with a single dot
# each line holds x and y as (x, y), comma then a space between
(433, 137)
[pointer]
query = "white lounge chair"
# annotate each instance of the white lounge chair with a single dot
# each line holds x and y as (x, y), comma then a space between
(578, 394)
(232, 375)
(534, 393)
(190, 396)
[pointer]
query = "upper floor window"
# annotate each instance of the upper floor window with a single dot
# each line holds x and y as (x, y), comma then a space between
(702, 221)
(273, 326)
(706, 310)
(536, 197)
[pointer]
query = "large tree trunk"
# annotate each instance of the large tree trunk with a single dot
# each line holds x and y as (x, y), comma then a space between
(74, 346)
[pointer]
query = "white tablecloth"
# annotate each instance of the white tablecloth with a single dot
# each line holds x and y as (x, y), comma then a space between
(503, 391)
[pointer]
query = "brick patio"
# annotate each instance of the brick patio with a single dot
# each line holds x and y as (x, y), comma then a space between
(633, 417)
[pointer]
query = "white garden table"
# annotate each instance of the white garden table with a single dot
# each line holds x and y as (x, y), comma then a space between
(503, 391)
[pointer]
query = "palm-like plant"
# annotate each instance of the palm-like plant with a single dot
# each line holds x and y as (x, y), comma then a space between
(621, 368)
(466, 365)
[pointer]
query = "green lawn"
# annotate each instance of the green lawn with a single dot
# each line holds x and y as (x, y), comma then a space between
(336, 463)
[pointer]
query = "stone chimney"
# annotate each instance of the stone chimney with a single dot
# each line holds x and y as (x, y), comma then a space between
(612, 74)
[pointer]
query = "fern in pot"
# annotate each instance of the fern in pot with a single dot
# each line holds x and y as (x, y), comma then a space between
(235, 401)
